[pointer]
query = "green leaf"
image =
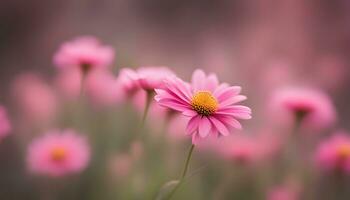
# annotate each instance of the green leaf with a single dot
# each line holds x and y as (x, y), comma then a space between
(166, 190)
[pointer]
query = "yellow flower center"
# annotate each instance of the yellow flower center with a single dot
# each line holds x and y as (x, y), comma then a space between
(58, 154)
(344, 151)
(204, 103)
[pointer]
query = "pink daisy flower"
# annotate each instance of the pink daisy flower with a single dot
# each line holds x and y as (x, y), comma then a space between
(211, 106)
(84, 52)
(334, 153)
(5, 125)
(312, 107)
(58, 153)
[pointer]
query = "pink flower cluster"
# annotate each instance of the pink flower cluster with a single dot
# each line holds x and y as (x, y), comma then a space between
(204, 108)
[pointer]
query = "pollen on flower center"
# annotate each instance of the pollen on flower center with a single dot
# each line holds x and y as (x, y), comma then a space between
(344, 151)
(204, 103)
(58, 154)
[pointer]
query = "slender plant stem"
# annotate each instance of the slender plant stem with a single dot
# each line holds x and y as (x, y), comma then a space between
(183, 175)
(147, 106)
(187, 162)
(82, 83)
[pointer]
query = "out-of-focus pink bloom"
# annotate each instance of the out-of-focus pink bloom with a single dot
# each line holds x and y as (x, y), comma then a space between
(331, 72)
(103, 89)
(156, 113)
(244, 149)
(58, 153)
(5, 125)
(128, 80)
(68, 83)
(334, 153)
(313, 107)
(35, 98)
(177, 127)
(136, 150)
(151, 78)
(210, 105)
(277, 73)
(283, 192)
(120, 165)
(84, 52)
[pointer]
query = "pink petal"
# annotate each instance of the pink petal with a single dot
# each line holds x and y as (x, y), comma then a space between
(221, 87)
(236, 108)
(232, 100)
(211, 83)
(189, 113)
(227, 93)
(198, 80)
(195, 138)
(204, 127)
(230, 121)
(219, 126)
(192, 125)
(178, 89)
(170, 103)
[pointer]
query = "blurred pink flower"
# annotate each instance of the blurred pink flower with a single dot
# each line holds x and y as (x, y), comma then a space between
(128, 80)
(103, 89)
(5, 125)
(120, 165)
(312, 107)
(176, 127)
(283, 192)
(151, 78)
(58, 153)
(136, 150)
(334, 153)
(209, 105)
(68, 83)
(244, 149)
(84, 52)
(157, 114)
(35, 98)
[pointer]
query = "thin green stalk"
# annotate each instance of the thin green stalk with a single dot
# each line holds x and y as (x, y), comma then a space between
(183, 175)
(187, 162)
(82, 84)
(149, 98)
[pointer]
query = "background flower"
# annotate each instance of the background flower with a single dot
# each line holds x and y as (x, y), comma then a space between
(5, 125)
(58, 153)
(85, 51)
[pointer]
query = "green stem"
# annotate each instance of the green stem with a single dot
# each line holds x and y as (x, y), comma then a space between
(187, 162)
(82, 83)
(183, 175)
(149, 97)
